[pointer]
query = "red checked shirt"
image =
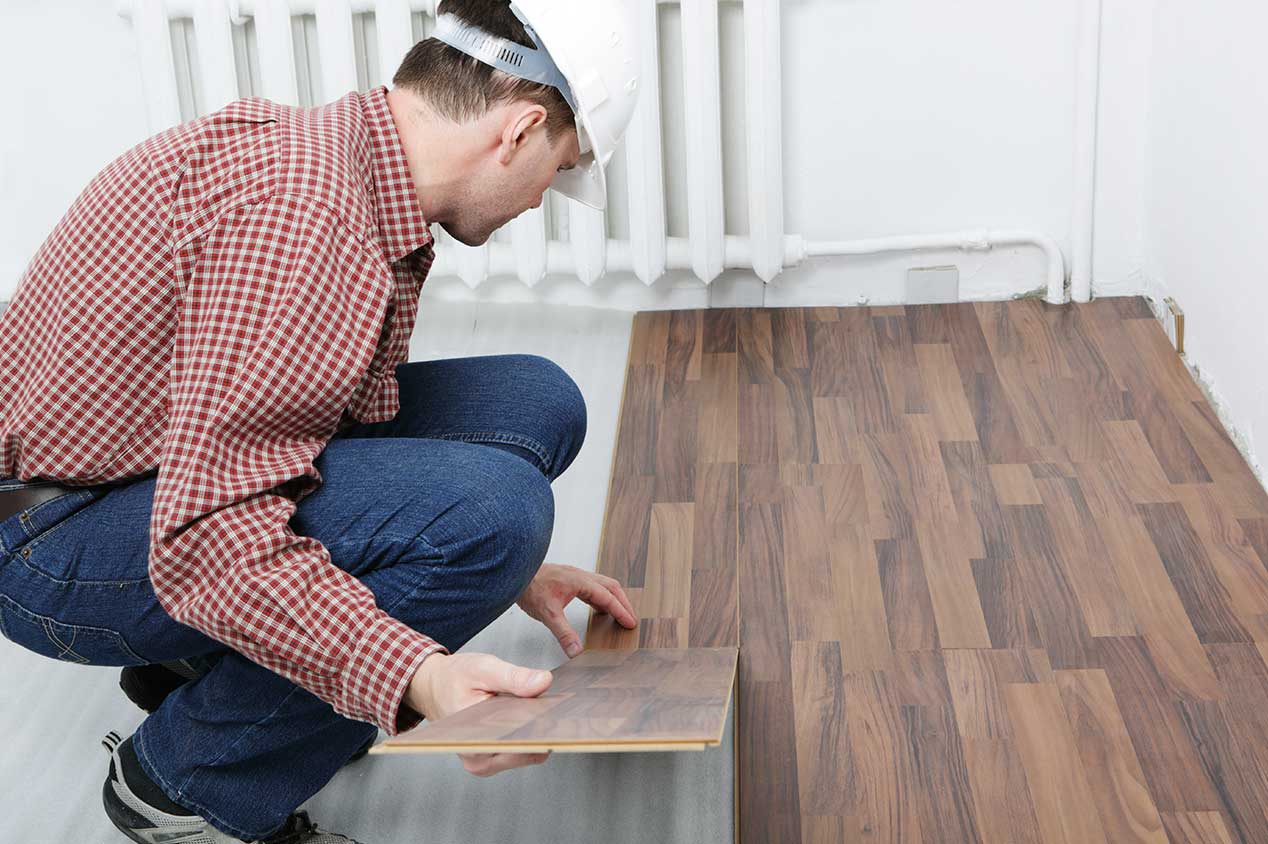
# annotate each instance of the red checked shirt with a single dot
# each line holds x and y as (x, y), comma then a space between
(216, 304)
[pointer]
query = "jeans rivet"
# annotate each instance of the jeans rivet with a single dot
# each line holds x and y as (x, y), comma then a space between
(26, 552)
(24, 517)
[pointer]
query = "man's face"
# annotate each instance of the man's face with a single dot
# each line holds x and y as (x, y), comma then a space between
(502, 190)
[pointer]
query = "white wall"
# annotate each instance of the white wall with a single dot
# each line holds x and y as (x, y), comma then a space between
(900, 116)
(1207, 195)
(72, 102)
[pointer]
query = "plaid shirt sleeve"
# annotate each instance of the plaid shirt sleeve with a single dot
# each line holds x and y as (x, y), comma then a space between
(279, 319)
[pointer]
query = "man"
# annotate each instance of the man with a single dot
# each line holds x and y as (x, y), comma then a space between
(215, 458)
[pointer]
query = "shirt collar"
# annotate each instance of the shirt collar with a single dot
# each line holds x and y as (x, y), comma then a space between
(402, 228)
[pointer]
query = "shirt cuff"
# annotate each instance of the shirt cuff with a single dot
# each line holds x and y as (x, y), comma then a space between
(376, 681)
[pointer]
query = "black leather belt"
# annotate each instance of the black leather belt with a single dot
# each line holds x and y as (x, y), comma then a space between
(24, 497)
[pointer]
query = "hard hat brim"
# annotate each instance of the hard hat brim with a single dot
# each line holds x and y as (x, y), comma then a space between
(586, 183)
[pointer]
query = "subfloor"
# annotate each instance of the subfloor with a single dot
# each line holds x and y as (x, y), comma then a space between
(996, 572)
(53, 714)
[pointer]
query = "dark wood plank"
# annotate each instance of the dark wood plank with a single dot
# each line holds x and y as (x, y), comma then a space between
(646, 699)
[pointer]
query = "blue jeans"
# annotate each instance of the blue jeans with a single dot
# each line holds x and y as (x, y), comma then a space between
(444, 512)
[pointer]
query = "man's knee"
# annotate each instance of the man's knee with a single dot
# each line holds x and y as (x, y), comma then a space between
(563, 404)
(523, 521)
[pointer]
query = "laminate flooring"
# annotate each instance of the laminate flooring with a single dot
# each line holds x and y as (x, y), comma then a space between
(995, 570)
(601, 701)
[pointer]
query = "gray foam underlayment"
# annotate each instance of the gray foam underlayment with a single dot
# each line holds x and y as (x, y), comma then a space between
(54, 714)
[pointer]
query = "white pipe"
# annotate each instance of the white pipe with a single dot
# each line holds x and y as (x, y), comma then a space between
(969, 241)
(1083, 217)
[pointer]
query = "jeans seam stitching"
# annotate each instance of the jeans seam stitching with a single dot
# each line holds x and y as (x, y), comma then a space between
(138, 745)
(192, 803)
(43, 622)
(535, 447)
(26, 563)
(35, 539)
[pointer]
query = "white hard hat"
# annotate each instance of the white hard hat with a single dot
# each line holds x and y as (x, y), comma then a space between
(586, 49)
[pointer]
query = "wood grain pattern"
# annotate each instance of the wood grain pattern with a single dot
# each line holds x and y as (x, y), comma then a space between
(995, 571)
(659, 698)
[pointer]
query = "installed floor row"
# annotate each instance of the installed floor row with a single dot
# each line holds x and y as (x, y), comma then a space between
(995, 570)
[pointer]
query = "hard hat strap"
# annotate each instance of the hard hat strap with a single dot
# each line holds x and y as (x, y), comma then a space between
(535, 65)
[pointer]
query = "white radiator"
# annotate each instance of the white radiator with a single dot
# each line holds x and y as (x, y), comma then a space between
(198, 55)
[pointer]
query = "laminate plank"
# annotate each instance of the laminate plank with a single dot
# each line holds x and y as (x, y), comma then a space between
(636, 437)
(814, 611)
(908, 607)
(719, 330)
(969, 479)
(667, 585)
(1046, 584)
(769, 802)
(919, 678)
(1168, 633)
(1234, 767)
(1126, 809)
(824, 774)
(1206, 600)
(764, 639)
(1058, 784)
(1232, 557)
(859, 599)
(1168, 758)
(714, 517)
(947, 813)
(946, 398)
(1005, 608)
(684, 347)
(717, 437)
(649, 699)
(887, 782)
(789, 347)
(952, 590)
(623, 547)
(977, 679)
(904, 381)
(1005, 811)
(794, 416)
(676, 445)
(844, 496)
(1092, 576)
(1223, 462)
(1014, 484)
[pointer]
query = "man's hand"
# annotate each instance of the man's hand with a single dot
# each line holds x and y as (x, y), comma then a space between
(446, 683)
(554, 587)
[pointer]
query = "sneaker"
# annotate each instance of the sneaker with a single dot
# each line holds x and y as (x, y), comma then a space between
(157, 820)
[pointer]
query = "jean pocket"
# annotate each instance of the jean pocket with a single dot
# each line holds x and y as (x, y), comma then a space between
(49, 637)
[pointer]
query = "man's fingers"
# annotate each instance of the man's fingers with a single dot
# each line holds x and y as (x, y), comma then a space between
(600, 598)
(615, 589)
(488, 764)
(558, 624)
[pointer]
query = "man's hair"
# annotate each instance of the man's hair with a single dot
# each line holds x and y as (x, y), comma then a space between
(462, 88)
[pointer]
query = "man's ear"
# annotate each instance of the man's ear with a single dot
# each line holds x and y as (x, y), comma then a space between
(524, 118)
